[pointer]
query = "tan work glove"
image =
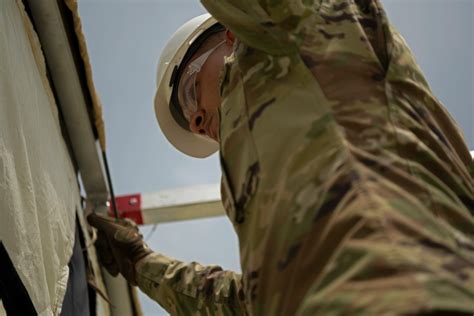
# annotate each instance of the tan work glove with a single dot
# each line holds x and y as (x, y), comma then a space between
(119, 245)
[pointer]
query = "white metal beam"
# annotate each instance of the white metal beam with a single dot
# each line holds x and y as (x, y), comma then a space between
(72, 95)
(195, 202)
(182, 212)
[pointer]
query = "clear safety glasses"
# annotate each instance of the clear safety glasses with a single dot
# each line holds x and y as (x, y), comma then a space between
(187, 92)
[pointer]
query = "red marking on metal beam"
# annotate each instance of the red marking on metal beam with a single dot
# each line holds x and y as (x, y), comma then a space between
(129, 206)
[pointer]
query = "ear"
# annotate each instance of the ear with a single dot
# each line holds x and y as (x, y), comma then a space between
(229, 37)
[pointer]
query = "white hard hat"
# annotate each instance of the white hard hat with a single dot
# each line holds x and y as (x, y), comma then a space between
(179, 49)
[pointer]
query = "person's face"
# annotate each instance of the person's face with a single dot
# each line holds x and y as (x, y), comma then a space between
(205, 119)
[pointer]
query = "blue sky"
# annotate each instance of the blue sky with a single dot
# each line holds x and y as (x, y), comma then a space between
(125, 38)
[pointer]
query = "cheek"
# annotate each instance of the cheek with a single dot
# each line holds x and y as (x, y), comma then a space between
(211, 75)
(210, 97)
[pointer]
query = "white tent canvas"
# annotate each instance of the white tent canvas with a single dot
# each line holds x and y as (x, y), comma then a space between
(38, 188)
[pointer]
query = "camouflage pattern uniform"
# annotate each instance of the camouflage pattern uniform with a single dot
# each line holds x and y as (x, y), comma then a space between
(349, 185)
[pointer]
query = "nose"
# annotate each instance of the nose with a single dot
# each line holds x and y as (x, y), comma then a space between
(196, 124)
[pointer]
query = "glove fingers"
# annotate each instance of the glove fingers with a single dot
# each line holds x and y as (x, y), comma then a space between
(129, 223)
(103, 248)
(127, 269)
(110, 225)
(105, 254)
(113, 269)
(101, 222)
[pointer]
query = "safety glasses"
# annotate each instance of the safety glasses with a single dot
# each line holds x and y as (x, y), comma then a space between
(187, 91)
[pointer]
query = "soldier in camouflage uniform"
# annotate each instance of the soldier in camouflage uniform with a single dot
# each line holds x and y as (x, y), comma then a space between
(349, 185)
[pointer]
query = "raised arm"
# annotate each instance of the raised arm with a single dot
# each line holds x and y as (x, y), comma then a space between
(270, 26)
(283, 27)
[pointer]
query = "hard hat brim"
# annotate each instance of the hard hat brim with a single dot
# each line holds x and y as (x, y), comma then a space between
(189, 143)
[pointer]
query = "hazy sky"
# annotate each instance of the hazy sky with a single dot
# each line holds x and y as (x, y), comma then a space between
(125, 39)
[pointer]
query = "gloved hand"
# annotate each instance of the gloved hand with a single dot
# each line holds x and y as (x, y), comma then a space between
(119, 245)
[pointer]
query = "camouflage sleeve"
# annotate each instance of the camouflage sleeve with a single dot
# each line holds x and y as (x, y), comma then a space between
(274, 27)
(190, 288)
